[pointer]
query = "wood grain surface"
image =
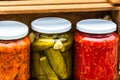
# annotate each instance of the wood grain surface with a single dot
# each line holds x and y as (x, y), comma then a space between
(53, 6)
(39, 2)
(56, 8)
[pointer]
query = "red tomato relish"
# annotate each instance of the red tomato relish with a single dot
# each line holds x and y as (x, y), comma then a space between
(95, 56)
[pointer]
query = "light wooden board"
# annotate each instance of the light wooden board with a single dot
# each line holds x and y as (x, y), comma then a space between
(39, 2)
(55, 8)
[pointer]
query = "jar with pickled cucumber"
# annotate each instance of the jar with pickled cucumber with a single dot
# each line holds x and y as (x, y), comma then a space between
(14, 51)
(51, 49)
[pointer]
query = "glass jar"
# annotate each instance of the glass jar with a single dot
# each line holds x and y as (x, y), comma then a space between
(14, 51)
(51, 49)
(96, 47)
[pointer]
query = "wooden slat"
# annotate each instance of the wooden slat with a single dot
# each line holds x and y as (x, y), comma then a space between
(39, 2)
(55, 8)
(117, 8)
(114, 2)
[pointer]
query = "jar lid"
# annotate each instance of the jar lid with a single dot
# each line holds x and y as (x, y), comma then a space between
(96, 26)
(10, 30)
(51, 25)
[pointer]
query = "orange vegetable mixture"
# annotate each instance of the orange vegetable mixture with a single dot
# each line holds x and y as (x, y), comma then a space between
(14, 59)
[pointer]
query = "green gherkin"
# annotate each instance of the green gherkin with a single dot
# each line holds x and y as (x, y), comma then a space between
(68, 60)
(37, 70)
(57, 62)
(32, 36)
(68, 44)
(42, 44)
(47, 69)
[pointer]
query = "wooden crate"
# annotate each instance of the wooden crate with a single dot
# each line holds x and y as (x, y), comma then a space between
(74, 10)
(54, 6)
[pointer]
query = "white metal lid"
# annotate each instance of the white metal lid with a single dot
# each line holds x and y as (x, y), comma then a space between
(96, 26)
(10, 30)
(51, 25)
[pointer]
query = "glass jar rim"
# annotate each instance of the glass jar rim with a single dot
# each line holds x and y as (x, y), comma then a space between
(51, 25)
(96, 26)
(10, 30)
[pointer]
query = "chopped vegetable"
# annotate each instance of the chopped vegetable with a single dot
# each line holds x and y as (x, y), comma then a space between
(95, 56)
(14, 59)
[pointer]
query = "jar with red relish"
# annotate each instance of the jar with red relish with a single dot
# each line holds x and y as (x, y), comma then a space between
(96, 46)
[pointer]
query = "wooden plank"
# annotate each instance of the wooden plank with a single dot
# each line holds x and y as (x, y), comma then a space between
(117, 8)
(39, 2)
(114, 2)
(55, 8)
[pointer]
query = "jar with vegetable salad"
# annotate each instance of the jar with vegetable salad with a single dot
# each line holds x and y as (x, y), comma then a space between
(95, 50)
(51, 49)
(14, 51)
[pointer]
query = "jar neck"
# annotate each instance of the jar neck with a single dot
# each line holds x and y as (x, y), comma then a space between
(97, 35)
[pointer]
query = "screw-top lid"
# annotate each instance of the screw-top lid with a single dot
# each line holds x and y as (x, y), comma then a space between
(51, 25)
(10, 30)
(96, 26)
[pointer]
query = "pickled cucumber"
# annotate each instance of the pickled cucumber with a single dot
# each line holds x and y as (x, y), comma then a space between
(68, 44)
(41, 77)
(47, 69)
(68, 60)
(57, 62)
(45, 36)
(36, 67)
(32, 36)
(65, 35)
(42, 44)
